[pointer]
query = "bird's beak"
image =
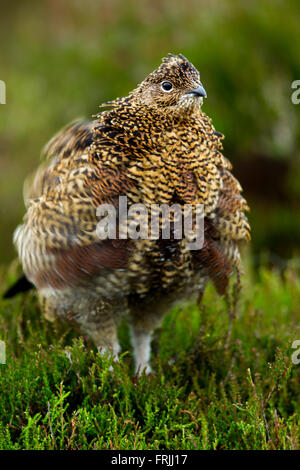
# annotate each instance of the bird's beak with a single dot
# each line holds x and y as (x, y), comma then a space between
(199, 91)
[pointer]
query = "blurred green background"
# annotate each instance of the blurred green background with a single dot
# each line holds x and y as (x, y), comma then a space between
(60, 60)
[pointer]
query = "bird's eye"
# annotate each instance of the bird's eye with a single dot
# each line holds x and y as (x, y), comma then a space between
(166, 86)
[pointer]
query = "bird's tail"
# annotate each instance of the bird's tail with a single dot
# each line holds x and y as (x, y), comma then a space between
(21, 285)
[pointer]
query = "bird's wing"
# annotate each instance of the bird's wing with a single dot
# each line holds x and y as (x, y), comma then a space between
(225, 225)
(58, 243)
(64, 154)
(230, 218)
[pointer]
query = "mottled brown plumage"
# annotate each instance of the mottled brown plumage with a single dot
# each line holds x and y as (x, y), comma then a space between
(155, 146)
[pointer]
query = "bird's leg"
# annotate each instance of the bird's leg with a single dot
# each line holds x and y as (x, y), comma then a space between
(104, 336)
(101, 326)
(48, 309)
(141, 342)
(145, 315)
(114, 349)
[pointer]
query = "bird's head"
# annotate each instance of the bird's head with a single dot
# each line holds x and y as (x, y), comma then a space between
(175, 84)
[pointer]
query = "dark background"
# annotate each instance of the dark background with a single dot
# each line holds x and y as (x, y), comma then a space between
(60, 60)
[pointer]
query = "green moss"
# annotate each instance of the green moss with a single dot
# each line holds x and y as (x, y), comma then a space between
(211, 390)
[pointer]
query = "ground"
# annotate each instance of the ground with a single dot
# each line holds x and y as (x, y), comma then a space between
(215, 386)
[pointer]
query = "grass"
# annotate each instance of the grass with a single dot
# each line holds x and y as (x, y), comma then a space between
(210, 391)
(76, 55)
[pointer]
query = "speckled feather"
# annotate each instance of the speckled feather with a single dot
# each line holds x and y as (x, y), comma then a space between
(155, 147)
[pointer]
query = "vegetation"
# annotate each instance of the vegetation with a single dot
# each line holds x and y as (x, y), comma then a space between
(212, 389)
(217, 385)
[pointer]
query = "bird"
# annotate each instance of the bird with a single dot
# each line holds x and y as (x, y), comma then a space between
(156, 148)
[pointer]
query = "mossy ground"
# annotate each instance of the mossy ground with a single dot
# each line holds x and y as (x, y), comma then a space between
(210, 390)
